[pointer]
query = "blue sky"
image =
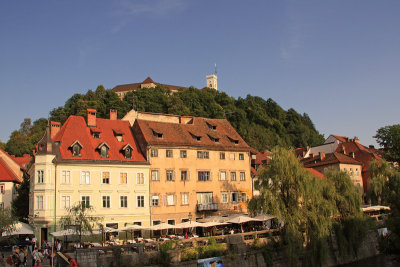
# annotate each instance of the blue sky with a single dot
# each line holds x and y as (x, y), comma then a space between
(338, 61)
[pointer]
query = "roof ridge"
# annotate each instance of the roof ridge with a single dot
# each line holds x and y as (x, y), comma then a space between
(10, 171)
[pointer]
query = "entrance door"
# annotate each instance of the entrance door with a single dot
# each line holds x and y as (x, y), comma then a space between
(43, 235)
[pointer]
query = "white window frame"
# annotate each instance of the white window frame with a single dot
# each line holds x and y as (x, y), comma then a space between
(167, 172)
(185, 200)
(222, 156)
(224, 197)
(233, 175)
(241, 156)
(154, 153)
(137, 177)
(85, 177)
(40, 202)
(167, 200)
(155, 197)
(40, 176)
(158, 175)
(232, 156)
(120, 201)
(126, 177)
(102, 202)
(86, 196)
(187, 175)
(220, 175)
(183, 154)
(65, 177)
(65, 202)
(109, 177)
(242, 176)
(137, 201)
(169, 153)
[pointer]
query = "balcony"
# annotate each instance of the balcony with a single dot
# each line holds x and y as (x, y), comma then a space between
(207, 207)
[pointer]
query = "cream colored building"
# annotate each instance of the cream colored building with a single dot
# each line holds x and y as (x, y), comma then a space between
(95, 162)
(199, 167)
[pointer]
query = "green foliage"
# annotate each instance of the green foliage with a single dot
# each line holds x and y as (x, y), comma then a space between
(20, 204)
(80, 216)
(2, 145)
(389, 138)
(380, 172)
(7, 220)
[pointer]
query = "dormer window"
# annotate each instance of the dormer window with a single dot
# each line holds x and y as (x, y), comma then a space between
(96, 135)
(128, 153)
(211, 126)
(196, 137)
(103, 147)
(234, 141)
(215, 139)
(157, 134)
(119, 135)
(95, 132)
(76, 149)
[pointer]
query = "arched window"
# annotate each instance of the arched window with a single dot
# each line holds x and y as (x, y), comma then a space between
(104, 151)
(128, 153)
(76, 150)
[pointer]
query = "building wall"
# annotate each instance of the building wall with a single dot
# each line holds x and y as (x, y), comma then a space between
(352, 169)
(8, 193)
(193, 165)
(132, 115)
(58, 193)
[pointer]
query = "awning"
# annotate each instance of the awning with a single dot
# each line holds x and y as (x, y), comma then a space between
(20, 228)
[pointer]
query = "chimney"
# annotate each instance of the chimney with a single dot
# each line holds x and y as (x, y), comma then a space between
(322, 155)
(54, 128)
(113, 114)
(356, 140)
(91, 117)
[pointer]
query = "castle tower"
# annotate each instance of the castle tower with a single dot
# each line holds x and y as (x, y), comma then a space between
(212, 81)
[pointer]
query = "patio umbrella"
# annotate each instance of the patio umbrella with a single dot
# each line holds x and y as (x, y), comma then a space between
(214, 219)
(264, 217)
(67, 232)
(162, 226)
(243, 219)
(210, 224)
(20, 228)
(134, 227)
(189, 225)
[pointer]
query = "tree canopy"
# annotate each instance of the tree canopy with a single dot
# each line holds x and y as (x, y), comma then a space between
(389, 138)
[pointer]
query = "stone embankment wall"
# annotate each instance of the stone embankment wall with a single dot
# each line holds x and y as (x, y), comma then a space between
(242, 255)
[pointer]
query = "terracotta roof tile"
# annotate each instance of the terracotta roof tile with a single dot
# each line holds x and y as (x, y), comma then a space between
(164, 133)
(316, 173)
(76, 129)
(330, 158)
(6, 174)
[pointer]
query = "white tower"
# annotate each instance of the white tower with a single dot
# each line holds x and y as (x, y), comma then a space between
(212, 80)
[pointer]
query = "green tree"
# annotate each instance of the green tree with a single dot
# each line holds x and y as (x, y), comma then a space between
(81, 217)
(2, 145)
(380, 172)
(389, 138)
(304, 203)
(7, 220)
(20, 205)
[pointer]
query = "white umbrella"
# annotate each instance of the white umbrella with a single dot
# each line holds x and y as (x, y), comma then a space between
(20, 228)
(70, 232)
(189, 225)
(209, 224)
(134, 227)
(264, 217)
(162, 226)
(243, 219)
(214, 219)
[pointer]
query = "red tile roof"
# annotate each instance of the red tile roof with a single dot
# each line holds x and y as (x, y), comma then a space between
(76, 129)
(316, 173)
(341, 138)
(23, 161)
(330, 158)
(6, 174)
(135, 86)
(185, 134)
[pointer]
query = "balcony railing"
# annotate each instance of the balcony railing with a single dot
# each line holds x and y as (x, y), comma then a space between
(207, 207)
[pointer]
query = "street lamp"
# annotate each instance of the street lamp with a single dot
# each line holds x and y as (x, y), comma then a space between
(190, 217)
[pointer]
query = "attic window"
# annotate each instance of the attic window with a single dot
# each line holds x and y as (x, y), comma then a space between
(212, 127)
(96, 135)
(157, 134)
(104, 151)
(76, 150)
(196, 137)
(215, 139)
(234, 141)
(118, 134)
(128, 152)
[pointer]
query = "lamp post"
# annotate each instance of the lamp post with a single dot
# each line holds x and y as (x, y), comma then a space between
(190, 217)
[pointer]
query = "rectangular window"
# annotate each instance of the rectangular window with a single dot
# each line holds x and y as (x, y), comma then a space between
(222, 155)
(86, 201)
(85, 177)
(106, 177)
(242, 176)
(66, 177)
(241, 156)
(170, 200)
(40, 176)
(222, 175)
(155, 175)
(39, 202)
(224, 197)
(234, 197)
(140, 201)
(106, 202)
(123, 178)
(232, 156)
(168, 153)
(204, 176)
(123, 201)
(65, 202)
(184, 176)
(206, 154)
(155, 201)
(205, 198)
(2, 189)
(185, 198)
(154, 153)
(199, 154)
(243, 197)
(183, 154)
(233, 176)
(170, 175)
(140, 178)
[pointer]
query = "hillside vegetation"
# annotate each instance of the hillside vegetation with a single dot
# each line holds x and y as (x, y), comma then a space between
(263, 124)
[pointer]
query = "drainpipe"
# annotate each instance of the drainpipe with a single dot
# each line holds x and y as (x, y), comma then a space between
(55, 198)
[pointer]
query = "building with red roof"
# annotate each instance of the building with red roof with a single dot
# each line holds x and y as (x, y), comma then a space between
(11, 175)
(199, 166)
(94, 161)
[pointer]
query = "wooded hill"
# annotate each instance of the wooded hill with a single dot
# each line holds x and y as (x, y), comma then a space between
(263, 124)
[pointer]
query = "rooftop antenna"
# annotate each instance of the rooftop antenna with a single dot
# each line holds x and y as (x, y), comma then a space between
(215, 68)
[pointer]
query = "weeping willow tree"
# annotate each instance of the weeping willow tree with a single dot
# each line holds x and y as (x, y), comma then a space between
(309, 206)
(380, 173)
